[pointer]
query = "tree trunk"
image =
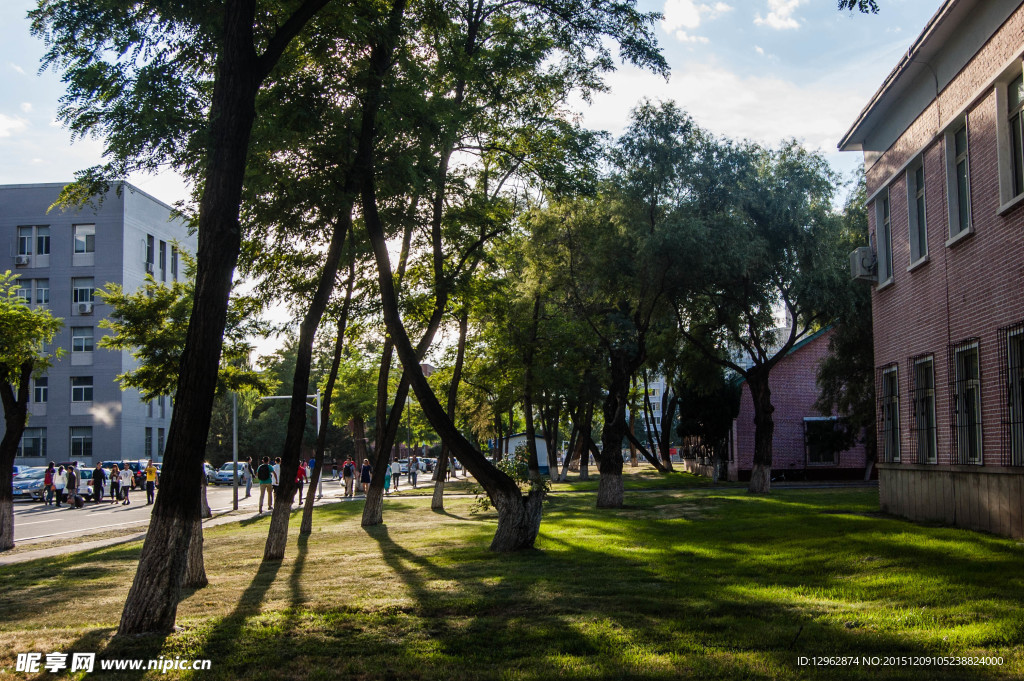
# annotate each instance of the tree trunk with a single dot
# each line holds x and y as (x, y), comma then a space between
(764, 429)
(205, 511)
(306, 527)
(277, 535)
(15, 418)
(651, 459)
(195, 571)
(668, 410)
(152, 601)
(610, 490)
(531, 431)
(631, 429)
(518, 515)
(359, 438)
(437, 500)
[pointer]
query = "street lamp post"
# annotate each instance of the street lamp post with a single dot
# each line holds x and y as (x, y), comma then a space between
(234, 447)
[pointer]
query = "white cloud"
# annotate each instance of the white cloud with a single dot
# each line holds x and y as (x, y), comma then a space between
(14, 67)
(685, 37)
(9, 125)
(26, 107)
(780, 14)
(765, 109)
(687, 14)
(759, 50)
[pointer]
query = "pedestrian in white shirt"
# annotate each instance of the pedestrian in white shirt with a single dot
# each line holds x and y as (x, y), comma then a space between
(127, 478)
(60, 481)
(396, 471)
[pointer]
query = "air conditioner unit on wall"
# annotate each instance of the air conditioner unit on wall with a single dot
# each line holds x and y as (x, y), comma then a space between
(85, 308)
(863, 264)
(149, 268)
(22, 260)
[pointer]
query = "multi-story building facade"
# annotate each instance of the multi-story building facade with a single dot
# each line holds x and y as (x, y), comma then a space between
(943, 146)
(78, 410)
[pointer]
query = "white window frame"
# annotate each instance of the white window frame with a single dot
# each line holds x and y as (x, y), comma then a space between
(83, 289)
(963, 402)
(925, 412)
(917, 212)
(883, 237)
(26, 239)
(33, 433)
(84, 238)
(42, 287)
(1015, 395)
(890, 414)
(81, 442)
(41, 390)
(957, 230)
(77, 335)
(42, 238)
(82, 392)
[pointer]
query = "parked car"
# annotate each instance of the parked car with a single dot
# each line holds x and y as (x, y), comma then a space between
(85, 483)
(225, 474)
(210, 472)
(29, 484)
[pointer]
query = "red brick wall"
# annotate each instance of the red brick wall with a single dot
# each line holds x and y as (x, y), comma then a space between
(794, 391)
(970, 288)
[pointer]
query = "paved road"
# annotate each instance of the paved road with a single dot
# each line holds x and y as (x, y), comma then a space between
(34, 520)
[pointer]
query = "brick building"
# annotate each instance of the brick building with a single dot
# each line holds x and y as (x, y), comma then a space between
(802, 446)
(943, 148)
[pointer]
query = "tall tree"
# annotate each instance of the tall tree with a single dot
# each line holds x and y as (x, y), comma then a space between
(175, 84)
(774, 247)
(24, 332)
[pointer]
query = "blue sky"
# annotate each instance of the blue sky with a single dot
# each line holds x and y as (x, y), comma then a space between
(759, 69)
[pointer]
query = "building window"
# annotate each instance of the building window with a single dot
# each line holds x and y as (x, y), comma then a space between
(82, 289)
(822, 439)
(148, 444)
(1015, 102)
(33, 442)
(85, 238)
(163, 261)
(162, 401)
(889, 412)
(966, 402)
(174, 262)
(1012, 369)
(41, 390)
(922, 418)
(81, 388)
(25, 291)
(43, 291)
(43, 240)
(959, 181)
(149, 408)
(915, 202)
(24, 241)
(160, 442)
(81, 339)
(883, 238)
(81, 442)
(150, 248)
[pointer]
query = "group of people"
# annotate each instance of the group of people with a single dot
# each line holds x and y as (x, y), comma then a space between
(392, 474)
(62, 484)
(269, 476)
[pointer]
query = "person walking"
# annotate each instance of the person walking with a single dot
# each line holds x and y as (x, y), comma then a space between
(99, 476)
(72, 486)
(115, 484)
(300, 478)
(265, 475)
(60, 482)
(151, 480)
(127, 478)
(48, 483)
(275, 471)
(247, 475)
(387, 480)
(396, 472)
(348, 474)
(366, 475)
(414, 469)
(334, 469)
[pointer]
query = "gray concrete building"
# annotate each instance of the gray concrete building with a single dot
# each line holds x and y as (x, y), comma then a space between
(78, 410)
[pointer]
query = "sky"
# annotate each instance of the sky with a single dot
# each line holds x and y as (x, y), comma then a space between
(764, 70)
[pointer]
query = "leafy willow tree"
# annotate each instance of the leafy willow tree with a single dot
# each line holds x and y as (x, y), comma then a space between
(773, 246)
(175, 84)
(24, 332)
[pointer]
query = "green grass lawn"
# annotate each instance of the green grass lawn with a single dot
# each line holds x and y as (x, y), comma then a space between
(700, 581)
